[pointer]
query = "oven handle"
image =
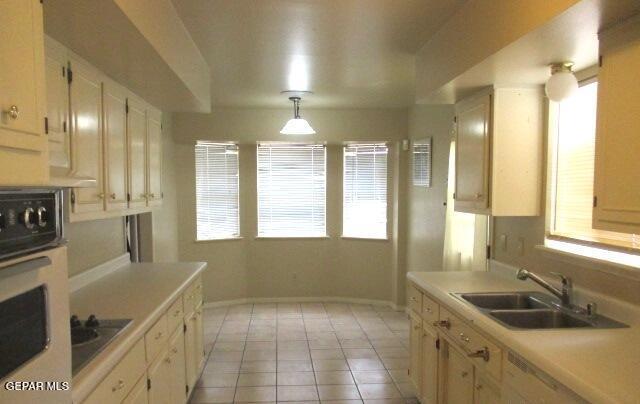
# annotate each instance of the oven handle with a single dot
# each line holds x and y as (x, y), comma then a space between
(25, 266)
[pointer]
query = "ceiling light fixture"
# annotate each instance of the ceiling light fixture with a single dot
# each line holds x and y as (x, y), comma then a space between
(562, 83)
(297, 125)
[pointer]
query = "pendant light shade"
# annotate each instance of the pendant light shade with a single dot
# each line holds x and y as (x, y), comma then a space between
(297, 125)
(562, 83)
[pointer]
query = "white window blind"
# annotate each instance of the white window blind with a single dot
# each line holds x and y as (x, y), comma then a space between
(422, 163)
(217, 208)
(291, 190)
(365, 191)
(574, 171)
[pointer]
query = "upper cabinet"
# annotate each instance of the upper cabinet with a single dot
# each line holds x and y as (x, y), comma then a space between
(23, 145)
(499, 152)
(616, 189)
(100, 130)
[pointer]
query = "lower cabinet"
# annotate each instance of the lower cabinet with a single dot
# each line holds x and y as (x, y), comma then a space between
(164, 365)
(428, 392)
(457, 376)
(415, 346)
(485, 391)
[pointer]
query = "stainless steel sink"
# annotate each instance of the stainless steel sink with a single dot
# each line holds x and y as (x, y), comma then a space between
(534, 310)
(538, 319)
(507, 301)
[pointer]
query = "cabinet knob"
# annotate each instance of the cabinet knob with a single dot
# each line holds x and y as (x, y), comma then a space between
(13, 112)
(118, 386)
(478, 195)
(176, 313)
(168, 360)
(464, 373)
(159, 335)
(464, 337)
(428, 310)
(113, 196)
(443, 323)
(174, 350)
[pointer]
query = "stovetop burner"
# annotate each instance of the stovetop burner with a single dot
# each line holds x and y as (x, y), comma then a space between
(90, 338)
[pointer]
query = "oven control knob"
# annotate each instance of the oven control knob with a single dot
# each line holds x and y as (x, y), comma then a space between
(75, 322)
(28, 218)
(92, 322)
(42, 216)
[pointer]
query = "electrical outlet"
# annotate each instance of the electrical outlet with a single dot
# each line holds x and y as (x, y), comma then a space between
(521, 246)
(503, 242)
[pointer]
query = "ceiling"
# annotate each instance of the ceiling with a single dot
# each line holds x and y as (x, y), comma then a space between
(350, 53)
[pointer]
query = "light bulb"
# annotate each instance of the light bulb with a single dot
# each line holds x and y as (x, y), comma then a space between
(561, 85)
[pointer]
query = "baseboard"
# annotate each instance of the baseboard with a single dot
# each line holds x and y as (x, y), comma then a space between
(84, 278)
(327, 299)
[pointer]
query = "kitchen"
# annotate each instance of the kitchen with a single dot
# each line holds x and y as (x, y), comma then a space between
(289, 200)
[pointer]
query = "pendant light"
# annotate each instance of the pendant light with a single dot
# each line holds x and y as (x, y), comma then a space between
(562, 83)
(297, 125)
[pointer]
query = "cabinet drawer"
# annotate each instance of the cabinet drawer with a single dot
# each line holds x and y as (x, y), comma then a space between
(414, 299)
(192, 297)
(175, 315)
(430, 310)
(156, 338)
(472, 343)
(115, 387)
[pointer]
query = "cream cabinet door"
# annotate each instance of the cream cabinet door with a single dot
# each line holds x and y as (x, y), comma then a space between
(136, 151)
(159, 374)
(154, 175)
(22, 87)
(616, 189)
(178, 367)
(114, 100)
(86, 134)
(429, 390)
(199, 339)
(472, 154)
(415, 349)
(190, 355)
(138, 395)
(57, 107)
(485, 391)
(457, 377)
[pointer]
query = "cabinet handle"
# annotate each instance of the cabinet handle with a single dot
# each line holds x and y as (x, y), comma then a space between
(174, 350)
(113, 196)
(443, 324)
(167, 360)
(479, 387)
(176, 313)
(118, 386)
(159, 335)
(428, 310)
(464, 337)
(13, 112)
(482, 353)
(464, 373)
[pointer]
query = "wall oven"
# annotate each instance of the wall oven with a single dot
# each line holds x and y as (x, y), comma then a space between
(35, 347)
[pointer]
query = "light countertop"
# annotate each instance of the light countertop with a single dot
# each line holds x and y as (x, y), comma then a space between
(602, 366)
(141, 292)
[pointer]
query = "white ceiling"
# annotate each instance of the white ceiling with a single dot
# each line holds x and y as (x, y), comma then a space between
(350, 53)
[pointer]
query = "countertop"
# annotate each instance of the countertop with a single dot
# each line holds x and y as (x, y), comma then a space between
(602, 366)
(141, 292)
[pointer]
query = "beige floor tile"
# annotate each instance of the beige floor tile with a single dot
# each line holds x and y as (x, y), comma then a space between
(255, 394)
(399, 375)
(257, 379)
(323, 344)
(291, 354)
(376, 391)
(229, 346)
(338, 392)
(330, 364)
(372, 377)
(251, 355)
(217, 379)
(327, 354)
(406, 389)
(213, 395)
(355, 343)
(227, 367)
(296, 379)
(294, 366)
(360, 353)
(396, 363)
(391, 353)
(342, 401)
(365, 364)
(260, 346)
(292, 345)
(334, 377)
(258, 366)
(226, 356)
(297, 393)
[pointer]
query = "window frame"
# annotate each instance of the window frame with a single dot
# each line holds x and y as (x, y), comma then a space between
(592, 251)
(259, 236)
(389, 203)
(225, 238)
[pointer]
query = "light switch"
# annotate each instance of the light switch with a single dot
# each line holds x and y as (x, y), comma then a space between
(503, 242)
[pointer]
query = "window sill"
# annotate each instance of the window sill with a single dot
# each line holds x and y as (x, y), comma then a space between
(590, 258)
(214, 240)
(292, 237)
(364, 238)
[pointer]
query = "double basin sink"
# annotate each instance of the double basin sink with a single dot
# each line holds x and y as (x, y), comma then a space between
(534, 310)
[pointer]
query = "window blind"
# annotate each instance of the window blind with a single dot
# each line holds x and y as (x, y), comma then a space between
(291, 190)
(574, 171)
(422, 163)
(365, 191)
(217, 211)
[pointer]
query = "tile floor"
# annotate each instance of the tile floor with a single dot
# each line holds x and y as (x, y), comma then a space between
(305, 352)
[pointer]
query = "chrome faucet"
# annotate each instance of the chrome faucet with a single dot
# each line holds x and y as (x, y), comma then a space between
(563, 294)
